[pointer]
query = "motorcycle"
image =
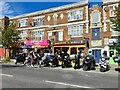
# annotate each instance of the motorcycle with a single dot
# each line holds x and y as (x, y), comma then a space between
(48, 61)
(88, 63)
(104, 64)
(66, 62)
(20, 58)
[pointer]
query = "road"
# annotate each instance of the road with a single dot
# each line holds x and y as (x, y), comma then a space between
(17, 76)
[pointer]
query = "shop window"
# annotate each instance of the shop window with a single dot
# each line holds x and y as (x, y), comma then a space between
(81, 49)
(73, 51)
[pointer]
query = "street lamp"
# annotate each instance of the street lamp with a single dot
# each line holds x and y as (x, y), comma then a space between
(52, 45)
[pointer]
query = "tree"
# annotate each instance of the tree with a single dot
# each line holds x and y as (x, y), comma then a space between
(10, 36)
(116, 21)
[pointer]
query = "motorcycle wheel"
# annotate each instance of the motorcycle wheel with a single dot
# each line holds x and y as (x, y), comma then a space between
(102, 69)
(85, 67)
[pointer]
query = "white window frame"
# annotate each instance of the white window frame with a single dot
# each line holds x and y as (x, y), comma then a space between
(23, 22)
(39, 20)
(112, 10)
(60, 34)
(38, 34)
(106, 41)
(95, 14)
(49, 34)
(73, 30)
(23, 34)
(72, 15)
(55, 19)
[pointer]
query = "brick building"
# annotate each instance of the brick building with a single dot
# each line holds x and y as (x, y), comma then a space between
(96, 31)
(65, 26)
(110, 37)
(70, 27)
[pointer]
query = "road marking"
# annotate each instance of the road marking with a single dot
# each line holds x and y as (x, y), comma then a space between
(66, 84)
(6, 75)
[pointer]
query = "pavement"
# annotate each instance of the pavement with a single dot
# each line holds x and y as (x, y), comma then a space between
(111, 71)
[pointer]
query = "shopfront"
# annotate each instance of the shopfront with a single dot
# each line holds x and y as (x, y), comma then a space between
(71, 48)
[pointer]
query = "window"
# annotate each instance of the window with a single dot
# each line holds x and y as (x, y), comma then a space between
(75, 15)
(49, 34)
(113, 32)
(106, 41)
(112, 9)
(95, 16)
(23, 34)
(55, 19)
(38, 34)
(22, 22)
(96, 34)
(60, 34)
(38, 21)
(75, 30)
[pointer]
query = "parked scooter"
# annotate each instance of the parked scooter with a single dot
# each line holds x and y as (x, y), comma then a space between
(48, 60)
(104, 63)
(117, 59)
(66, 62)
(20, 57)
(89, 62)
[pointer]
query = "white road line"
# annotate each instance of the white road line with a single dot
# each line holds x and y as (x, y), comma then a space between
(66, 84)
(6, 75)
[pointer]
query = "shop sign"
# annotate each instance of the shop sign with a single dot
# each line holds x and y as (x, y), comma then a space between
(41, 42)
(65, 42)
(70, 42)
(76, 41)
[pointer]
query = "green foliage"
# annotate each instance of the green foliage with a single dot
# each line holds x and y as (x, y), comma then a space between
(10, 36)
(6, 59)
(116, 21)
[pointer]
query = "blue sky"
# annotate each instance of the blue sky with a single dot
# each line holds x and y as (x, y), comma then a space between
(18, 8)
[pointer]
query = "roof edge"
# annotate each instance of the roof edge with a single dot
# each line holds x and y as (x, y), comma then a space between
(50, 10)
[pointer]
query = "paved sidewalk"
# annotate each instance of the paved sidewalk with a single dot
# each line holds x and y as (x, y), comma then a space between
(111, 71)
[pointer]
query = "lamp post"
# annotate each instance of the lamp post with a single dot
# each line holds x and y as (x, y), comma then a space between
(52, 45)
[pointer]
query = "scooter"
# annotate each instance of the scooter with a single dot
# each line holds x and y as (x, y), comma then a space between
(67, 62)
(20, 58)
(117, 59)
(88, 63)
(104, 64)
